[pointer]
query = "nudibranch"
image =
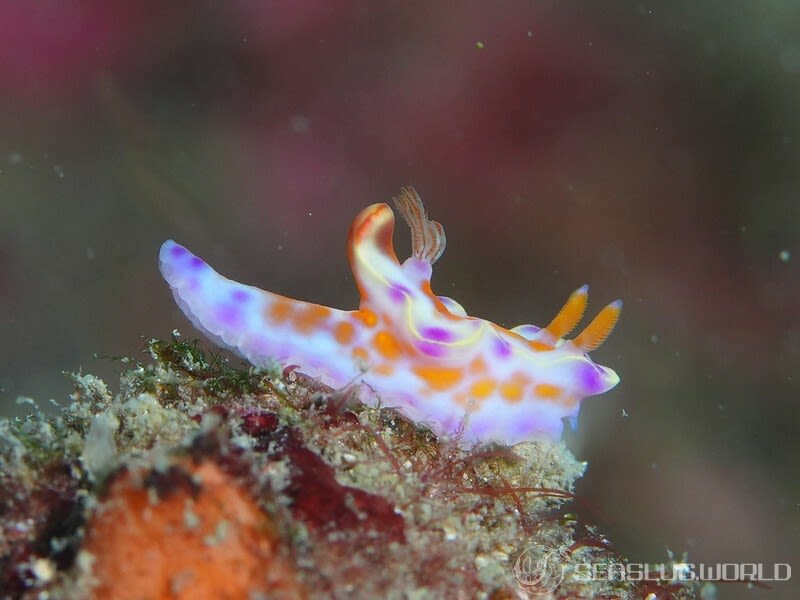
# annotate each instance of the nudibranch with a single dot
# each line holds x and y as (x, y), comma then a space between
(419, 353)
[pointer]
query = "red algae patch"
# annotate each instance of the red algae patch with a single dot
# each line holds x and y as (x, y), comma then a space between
(188, 532)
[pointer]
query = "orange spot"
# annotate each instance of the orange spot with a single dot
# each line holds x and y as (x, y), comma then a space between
(343, 332)
(511, 392)
(387, 345)
(280, 310)
(367, 317)
(482, 388)
(439, 378)
(477, 366)
(569, 401)
(384, 369)
(540, 346)
(174, 545)
(466, 401)
(547, 390)
(360, 353)
(311, 317)
(514, 389)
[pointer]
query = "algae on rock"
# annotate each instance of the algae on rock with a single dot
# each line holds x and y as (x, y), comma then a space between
(356, 500)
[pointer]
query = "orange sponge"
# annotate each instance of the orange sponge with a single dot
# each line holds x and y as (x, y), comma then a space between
(188, 532)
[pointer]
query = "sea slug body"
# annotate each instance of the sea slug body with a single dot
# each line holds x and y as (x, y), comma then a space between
(417, 352)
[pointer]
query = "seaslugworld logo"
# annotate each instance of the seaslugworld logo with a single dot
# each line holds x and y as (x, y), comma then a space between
(682, 571)
(541, 570)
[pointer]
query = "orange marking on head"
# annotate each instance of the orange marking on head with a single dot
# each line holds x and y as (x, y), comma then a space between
(370, 232)
(598, 330)
(344, 332)
(482, 388)
(387, 345)
(548, 390)
(439, 378)
(310, 317)
(383, 369)
(569, 315)
(367, 317)
(279, 311)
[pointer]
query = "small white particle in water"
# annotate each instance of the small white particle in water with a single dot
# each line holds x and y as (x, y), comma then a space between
(90, 253)
(480, 45)
(785, 255)
(624, 413)
(310, 213)
(654, 339)
(300, 124)
(15, 158)
(59, 170)
(530, 34)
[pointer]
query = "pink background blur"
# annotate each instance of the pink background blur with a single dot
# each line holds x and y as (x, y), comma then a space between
(648, 149)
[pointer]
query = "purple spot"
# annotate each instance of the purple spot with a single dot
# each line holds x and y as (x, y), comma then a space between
(431, 348)
(178, 251)
(451, 424)
(422, 267)
(502, 348)
(404, 400)
(437, 334)
(590, 378)
(240, 296)
(259, 345)
(481, 427)
(197, 263)
(229, 316)
(398, 292)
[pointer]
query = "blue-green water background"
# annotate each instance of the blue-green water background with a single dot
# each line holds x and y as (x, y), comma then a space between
(648, 149)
